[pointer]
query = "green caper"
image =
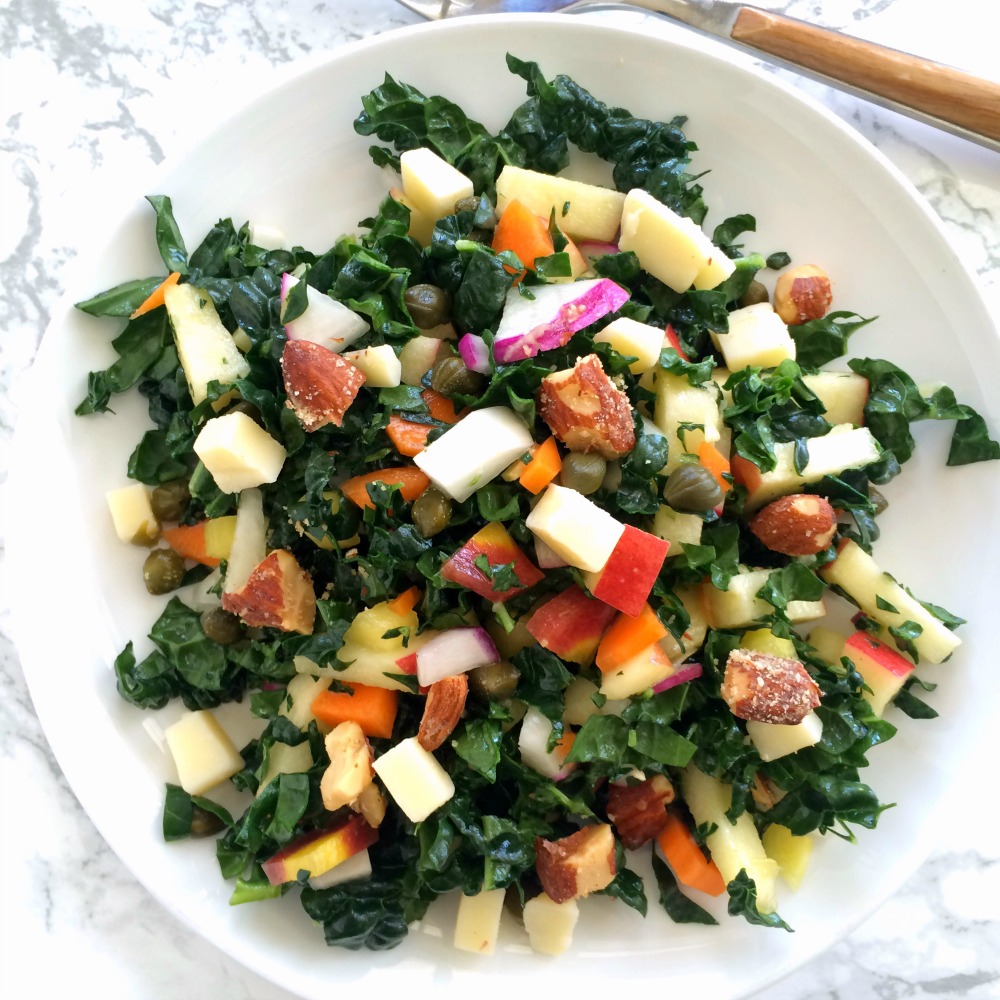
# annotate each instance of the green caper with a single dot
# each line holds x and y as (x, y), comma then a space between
(204, 823)
(169, 501)
(221, 627)
(878, 499)
(494, 682)
(583, 472)
(450, 377)
(692, 488)
(242, 406)
(486, 216)
(470, 204)
(754, 295)
(163, 571)
(428, 305)
(431, 512)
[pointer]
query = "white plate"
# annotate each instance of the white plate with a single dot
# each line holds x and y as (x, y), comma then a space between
(292, 160)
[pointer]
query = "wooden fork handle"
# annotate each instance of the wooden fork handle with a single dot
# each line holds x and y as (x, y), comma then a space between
(935, 91)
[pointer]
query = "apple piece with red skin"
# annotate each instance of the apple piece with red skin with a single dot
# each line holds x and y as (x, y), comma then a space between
(571, 625)
(628, 576)
(321, 850)
(671, 339)
(882, 668)
(493, 542)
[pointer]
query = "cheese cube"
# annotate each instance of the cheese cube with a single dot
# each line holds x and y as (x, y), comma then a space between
(549, 924)
(133, 516)
(414, 778)
(773, 741)
(431, 183)
(757, 336)
(206, 349)
(381, 367)
(475, 451)
(478, 922)
(575, 528)
(238, 453)
(633, 339)
(203, 753)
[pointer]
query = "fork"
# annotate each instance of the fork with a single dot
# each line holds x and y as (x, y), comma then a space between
(938, 95)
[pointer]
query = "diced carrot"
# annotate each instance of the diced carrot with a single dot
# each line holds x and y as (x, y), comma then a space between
(412, 481)
(155, 298)
(207, 542)
(409, 437)
(745, 473)
(716, 463)
(686, 860)
(628, 637)
(544, 466)
(405, 602)
(372, 708)
(524, 233)
(440, 407)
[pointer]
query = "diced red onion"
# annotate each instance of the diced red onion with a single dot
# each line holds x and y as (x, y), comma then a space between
(475, 353)
(453, 652)
(685, 672)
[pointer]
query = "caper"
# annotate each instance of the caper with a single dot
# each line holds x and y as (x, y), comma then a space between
(204, 823)
(242, 406)
(755, 294)
(583, 472)
(450, 377)
(486, 217)
(163, 571)
(470, 204)
(494, 682)
(692, 488)
(169, 501)
(428, 305)
(878, 500)
(222, 627)
(431, 512)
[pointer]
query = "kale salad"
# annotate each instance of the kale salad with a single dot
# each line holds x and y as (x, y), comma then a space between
(518, 523)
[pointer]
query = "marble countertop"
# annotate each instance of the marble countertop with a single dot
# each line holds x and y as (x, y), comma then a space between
(91, 90)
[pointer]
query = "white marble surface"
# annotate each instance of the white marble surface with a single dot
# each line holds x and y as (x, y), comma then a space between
(92, 89)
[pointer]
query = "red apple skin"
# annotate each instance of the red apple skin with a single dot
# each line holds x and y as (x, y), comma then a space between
(571, 625)
(495, 543)
(627, 580)
(347, 837)
(877, 653)
(670, 339)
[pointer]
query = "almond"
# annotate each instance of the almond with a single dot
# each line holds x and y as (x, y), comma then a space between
(802, 294)
(371, 804)
(577, 865)
(760, 687)
(586, 410)
(798, 525)
(278, 594)
(442, 710)
(320, 384)
(350, 770)
(639, 811)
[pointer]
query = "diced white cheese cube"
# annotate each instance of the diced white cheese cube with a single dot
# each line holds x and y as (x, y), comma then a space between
(757, 336)
(549, 924)
(133, 515)
(431, 183)
(414, 778)
(238, 453)
(202, 751)
(475, 451)
(773, 741)
(380, 365)
(478, 922)
(634, 340)
(577, 529)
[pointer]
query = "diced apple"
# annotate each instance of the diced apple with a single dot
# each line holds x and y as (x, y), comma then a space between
(740, 606)
(249, 541)
(669, 246)
(132, 515)
(883, 669)
(585, 211)
(763, 640)
(678, 529)
(644, 670)
(475, 451)
(417, 358)
(380, 366)
(477, 924)
(628, 576)
(320, 851)
(882, 599)
(285, 759)
(431, 183)
(494, 542)
(356, 866)
(300, 694)
(582, 533)
(843, 395)
(580, 705)
(734, 847)
(205, 348)
(325, 321)
(238, 453)
(687, 415)
(827, 643)
(414, 778)
(532, 746)
(790, 851)
(202, 751)
(571, 625)
(633, 339)
(550, 924)
(756, 337)
(773, 741)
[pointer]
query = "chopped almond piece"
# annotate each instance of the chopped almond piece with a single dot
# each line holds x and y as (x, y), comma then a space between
(576, 865)
(798, 525)
(278, 594)
(350, 770)
(442, 710)
(639, 811)
(371, 804)
(321, 385)
(760, 687)
(586, 410)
